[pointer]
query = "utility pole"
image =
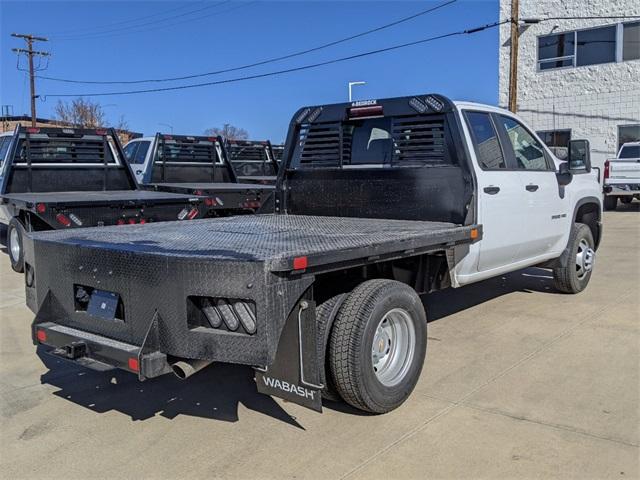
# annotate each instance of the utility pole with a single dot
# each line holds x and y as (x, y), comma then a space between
(30, 53)
(513, 67)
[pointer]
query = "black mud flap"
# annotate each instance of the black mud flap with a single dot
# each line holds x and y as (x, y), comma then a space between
(294, 375)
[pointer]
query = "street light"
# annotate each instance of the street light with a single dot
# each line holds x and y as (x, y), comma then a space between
(352, 84)
(167, 125)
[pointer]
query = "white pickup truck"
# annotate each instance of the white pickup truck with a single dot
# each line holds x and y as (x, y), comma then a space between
(622, 176)
(377, 202)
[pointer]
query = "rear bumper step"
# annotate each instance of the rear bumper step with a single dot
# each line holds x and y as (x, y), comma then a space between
(98, 352)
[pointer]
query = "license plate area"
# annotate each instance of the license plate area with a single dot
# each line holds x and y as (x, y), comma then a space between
(98, 303)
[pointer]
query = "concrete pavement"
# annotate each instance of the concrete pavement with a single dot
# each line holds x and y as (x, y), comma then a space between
(520, 381)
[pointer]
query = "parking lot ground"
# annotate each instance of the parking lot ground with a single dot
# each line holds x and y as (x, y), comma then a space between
(520, 381)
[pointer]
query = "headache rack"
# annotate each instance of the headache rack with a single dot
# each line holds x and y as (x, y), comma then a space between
(202, 154)
(414, 140)
(65, 148)
(252, 157)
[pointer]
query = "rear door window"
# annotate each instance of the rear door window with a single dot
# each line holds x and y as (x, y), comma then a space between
(485, 140)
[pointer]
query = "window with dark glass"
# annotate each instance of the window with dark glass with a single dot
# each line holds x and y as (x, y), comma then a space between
(485, 141)
(370, 140)
(141, 153)
(596, 45)
(529, 153)
(557, 141)
(631, 41)
(556, 51)
(628, 133)
(129, 151)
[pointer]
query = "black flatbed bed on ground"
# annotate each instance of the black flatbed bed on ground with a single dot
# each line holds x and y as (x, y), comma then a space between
(274, 239)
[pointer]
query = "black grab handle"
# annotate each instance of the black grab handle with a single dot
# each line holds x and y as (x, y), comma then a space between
(491, 190)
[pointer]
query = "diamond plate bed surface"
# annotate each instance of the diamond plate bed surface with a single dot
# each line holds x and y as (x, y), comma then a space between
(102, 196)
(262, 237)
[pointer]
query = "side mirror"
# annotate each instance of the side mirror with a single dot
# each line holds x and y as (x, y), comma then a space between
(579, 157)
(564, 174)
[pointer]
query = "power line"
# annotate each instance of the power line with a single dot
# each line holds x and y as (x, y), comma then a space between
(153, 22)
(290, 70)
(131, 20)
(261, 62)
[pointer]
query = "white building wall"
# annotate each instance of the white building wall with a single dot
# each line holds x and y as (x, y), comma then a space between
(590, 100)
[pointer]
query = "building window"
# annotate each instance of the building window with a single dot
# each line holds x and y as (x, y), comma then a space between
(628, 133)
(631, 41)
(556, 51)
(597, 45)
(557, 141)
(592, 46)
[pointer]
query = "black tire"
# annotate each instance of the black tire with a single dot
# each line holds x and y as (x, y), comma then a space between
(325, 312)
(626, 199)
(351, 342)
(610, 202)
(569, 279)
(15, 233)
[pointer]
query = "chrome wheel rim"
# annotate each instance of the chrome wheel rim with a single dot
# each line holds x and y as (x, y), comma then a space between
(14, 245)
(393, 348)
(585, 256)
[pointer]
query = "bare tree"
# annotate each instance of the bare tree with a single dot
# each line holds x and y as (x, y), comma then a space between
(229, 132)
(81, 113)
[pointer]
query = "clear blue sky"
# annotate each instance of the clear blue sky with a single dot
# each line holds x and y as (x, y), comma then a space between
(237, 33)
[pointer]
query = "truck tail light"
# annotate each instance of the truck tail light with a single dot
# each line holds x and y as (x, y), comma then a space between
(300, 263)
(41, 335)
(210, 202)
(33, 130)
(133, 364)
(606, 169)
(142, 221)
(193, 213)
(132, 221)
(120, 221)
(63, 220)
(251, 204)
(41, 208)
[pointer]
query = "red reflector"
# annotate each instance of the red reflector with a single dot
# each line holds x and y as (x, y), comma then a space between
(212, 139)
(210, 202)
(101, 132)
(41, 335)
(120, 221)
(192, 214)
(370, 111)
(33, 130)
(300, 263)
(41, 207)
(142, 221)
(132, 221)
(133, 364)
(63, 219)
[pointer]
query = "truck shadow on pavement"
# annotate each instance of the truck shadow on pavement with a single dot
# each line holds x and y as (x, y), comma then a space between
(213, 393)
(447, 302)
(216, 392)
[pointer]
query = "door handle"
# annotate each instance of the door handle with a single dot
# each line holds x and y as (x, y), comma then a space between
(491, 190)
(531, 188)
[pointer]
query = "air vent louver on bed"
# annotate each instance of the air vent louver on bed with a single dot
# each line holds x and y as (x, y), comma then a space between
(419, 140)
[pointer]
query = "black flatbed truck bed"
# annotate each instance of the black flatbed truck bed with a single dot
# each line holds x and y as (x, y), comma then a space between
(274, 241)
(59, 178)
(199, 165)
(371, 198)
